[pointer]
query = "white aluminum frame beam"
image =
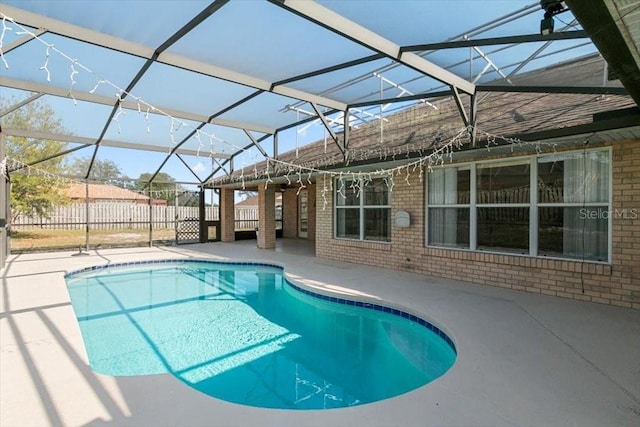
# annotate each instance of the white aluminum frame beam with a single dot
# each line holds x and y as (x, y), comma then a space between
(463, 113)
(114, 43)
(335, 121)
(107, 143)
(256, 144)
(22, 40)
(368, 114)
(328, 128)
(359, 34)
(492, 64)
(22, 103)
(220, 166)
(129, 105)
(402, 90)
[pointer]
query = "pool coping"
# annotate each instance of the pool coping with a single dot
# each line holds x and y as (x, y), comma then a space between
(524, 358)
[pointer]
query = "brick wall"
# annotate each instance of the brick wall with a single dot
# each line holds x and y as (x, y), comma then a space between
(289, 213)
(266, 217)
(227, 215)
(617, 283)
(311, 216)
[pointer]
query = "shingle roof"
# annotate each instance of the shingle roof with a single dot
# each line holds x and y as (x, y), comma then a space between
(499, 113)
(102, 192)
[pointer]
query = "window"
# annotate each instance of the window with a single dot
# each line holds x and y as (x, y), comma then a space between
(363, 210)
(502, 199)
(552, 206)
(448, 198)
(573, 205)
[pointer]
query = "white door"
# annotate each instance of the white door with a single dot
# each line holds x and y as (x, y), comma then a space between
(303, 217)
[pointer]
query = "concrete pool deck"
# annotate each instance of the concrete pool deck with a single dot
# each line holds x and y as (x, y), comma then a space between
(523, 359)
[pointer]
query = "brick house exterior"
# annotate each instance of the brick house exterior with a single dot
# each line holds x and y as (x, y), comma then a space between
(616, 283)
(558, 120)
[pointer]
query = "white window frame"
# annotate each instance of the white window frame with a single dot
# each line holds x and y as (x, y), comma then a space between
(361, 207)
(533, 204)
(525, 160)
(606, 205)
(472, 181)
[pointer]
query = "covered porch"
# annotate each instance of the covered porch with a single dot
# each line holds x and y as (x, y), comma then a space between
(293, 216)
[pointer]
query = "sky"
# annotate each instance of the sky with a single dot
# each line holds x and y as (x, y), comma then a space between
(251, 37)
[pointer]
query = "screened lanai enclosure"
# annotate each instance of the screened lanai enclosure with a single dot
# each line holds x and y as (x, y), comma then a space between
(121, 121)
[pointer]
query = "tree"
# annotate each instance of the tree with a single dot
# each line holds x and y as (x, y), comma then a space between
(188, 198)
(246, 194)
(34, 191)
(163, 185)
(102, 170)
(165, 188)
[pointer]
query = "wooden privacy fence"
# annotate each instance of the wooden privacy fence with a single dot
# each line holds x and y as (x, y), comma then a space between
(507, 213)
(107, 216)
(114, 216)
(246, 217)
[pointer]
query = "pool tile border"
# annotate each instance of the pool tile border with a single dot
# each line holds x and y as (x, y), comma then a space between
(94, 268)
(367, 305)
(377, 307)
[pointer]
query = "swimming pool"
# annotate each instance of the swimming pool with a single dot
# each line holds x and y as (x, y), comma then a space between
(243, 333)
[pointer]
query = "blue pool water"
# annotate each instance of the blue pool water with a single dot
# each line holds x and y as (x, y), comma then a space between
(243, 333)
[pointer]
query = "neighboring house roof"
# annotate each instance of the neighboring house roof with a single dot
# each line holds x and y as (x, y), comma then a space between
(102, 192)
(415, 130)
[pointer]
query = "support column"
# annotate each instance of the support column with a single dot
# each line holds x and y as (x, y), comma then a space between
(202, 213)
(311, 210)
(86, 215)
(227, 215)
(290, 214)
(4, 208)
(267, 217)
(150, 206)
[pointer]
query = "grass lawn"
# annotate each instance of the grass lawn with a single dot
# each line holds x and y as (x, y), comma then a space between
(42, 239)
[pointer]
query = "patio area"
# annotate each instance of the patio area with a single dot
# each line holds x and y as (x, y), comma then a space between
(523, 359)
